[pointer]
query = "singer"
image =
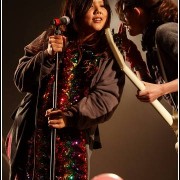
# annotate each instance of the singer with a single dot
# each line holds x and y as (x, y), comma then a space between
(90, 85)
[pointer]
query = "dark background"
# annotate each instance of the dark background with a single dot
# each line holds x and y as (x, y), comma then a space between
(137, 143)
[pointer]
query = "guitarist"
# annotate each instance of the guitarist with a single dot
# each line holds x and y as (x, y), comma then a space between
(157, 22)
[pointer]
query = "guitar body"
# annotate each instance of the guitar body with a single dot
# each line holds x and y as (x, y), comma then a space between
(134, 79)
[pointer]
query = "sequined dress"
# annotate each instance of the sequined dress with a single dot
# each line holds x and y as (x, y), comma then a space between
(71, 158)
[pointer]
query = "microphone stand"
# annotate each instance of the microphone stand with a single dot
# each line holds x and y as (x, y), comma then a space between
(53, 130)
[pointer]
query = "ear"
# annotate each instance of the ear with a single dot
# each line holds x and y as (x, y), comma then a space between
(137, 11)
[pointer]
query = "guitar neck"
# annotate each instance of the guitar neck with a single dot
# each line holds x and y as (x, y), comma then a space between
(134, 79)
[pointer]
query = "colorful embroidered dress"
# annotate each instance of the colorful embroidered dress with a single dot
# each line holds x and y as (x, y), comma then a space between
(75, 75)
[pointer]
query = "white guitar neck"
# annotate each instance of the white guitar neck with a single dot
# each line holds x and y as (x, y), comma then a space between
(119, 58)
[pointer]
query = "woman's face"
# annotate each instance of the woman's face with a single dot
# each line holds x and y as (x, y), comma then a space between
(95, 18)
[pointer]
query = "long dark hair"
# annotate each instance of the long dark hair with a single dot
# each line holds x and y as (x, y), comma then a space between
(76, 10)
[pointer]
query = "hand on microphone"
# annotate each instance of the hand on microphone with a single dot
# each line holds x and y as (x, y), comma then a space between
(56, 118)
(56, 44)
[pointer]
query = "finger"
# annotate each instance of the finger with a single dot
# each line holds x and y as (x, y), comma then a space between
(56, 123)
(56, 45)
(57, 126)
(55, 37)
(142, 99)
(143, 93)
(56, 112)
(52, 113)
(48, 111)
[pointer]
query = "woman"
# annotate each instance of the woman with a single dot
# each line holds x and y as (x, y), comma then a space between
(89, 89)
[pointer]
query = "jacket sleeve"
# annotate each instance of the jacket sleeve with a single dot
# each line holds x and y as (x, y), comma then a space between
(167, 39)
(167, 45)
(104, 98)
(34, 64)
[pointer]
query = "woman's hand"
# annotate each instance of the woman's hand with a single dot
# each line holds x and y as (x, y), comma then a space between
(56, 119)
(56, 44)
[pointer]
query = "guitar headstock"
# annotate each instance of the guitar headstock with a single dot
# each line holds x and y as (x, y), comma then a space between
(115, 46)
(117, 39)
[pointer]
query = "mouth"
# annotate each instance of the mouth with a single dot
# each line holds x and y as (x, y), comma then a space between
(97, 19)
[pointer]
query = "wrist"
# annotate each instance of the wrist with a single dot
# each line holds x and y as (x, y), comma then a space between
(163, 89)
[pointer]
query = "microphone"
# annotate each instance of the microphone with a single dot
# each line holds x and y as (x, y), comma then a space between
(64, 20)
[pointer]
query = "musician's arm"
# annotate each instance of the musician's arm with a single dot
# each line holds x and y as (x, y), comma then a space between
(154, 91)
(170, 87)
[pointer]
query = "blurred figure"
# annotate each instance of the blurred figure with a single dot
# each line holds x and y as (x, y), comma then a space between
(107, 176)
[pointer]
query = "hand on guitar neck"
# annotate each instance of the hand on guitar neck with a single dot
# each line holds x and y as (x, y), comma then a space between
(137, 82)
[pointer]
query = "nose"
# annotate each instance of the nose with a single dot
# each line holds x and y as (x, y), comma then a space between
(97, 10)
